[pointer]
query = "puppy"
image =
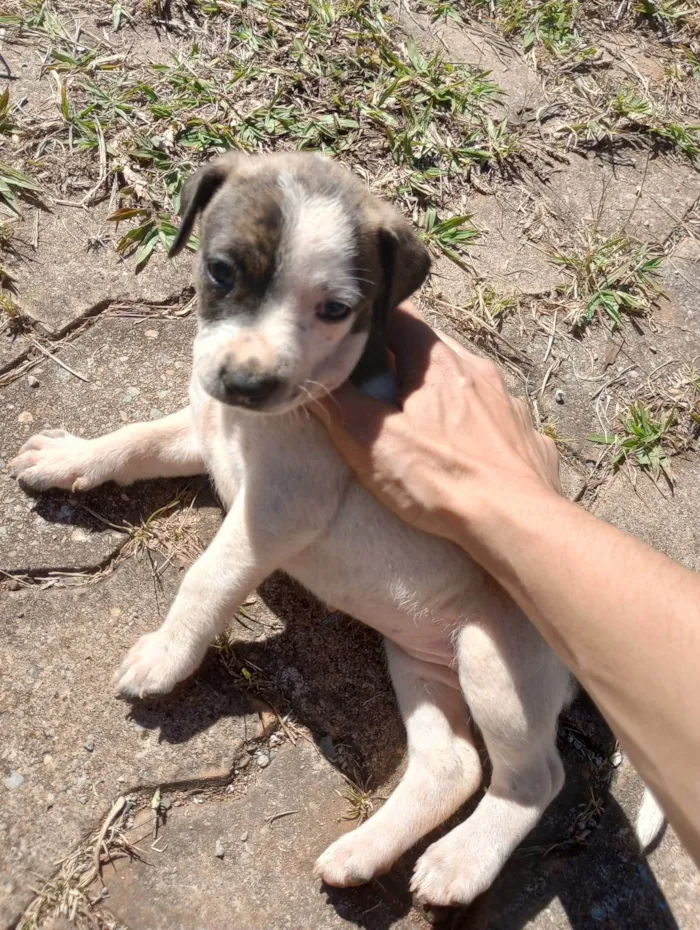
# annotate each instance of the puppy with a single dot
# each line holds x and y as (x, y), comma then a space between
(297, 270)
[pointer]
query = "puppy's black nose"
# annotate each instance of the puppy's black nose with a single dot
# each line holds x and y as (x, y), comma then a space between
(249, 388)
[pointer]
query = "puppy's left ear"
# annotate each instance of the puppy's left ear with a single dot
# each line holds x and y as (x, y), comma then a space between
(198, 190)
(405, 263)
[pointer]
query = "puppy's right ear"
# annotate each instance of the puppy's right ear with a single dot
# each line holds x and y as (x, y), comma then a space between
(198, 190)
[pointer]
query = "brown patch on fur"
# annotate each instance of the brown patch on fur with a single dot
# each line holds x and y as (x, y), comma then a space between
(243, 219)
(243, 222)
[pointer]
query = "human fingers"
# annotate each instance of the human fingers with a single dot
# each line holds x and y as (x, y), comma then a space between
(350, 416)
(523, 413)
(411, 342)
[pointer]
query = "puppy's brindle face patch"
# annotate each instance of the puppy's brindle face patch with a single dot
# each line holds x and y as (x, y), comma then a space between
(289, 276)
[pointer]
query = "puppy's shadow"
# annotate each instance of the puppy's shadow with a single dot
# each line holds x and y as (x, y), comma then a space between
(330, 671)
(582, 861)
(110, 507)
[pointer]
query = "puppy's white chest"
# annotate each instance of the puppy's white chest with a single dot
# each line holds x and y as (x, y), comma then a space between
(351, 552)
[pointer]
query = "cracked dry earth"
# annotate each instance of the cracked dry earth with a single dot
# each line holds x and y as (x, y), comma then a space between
(573, 261)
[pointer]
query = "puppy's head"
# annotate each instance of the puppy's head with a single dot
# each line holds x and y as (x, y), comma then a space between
(297, 270)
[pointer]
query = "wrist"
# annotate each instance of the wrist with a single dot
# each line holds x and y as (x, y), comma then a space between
(490, 521)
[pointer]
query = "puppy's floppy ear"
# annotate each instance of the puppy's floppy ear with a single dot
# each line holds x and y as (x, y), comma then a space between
(405, 263)
(198, 190)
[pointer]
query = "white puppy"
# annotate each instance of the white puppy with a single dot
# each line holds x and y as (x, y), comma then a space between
(297, 269)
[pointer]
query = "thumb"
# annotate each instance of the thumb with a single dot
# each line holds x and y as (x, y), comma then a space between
(353, 419)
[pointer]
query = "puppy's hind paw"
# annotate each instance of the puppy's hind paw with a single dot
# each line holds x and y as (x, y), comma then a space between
(352, 860)
(447, 876)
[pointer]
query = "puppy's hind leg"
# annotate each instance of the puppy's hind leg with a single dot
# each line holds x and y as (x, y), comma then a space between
(443, 771)
(165, 448)
(515, 687)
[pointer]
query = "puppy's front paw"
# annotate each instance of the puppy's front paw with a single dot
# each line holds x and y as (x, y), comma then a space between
(55, 459)
(354, 859)
(154, 665)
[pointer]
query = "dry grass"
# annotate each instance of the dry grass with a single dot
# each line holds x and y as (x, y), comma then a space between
(655, 422)
(319, 75)
(609, 276)
(70, 892)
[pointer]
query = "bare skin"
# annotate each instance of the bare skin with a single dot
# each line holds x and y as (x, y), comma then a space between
(461, 459)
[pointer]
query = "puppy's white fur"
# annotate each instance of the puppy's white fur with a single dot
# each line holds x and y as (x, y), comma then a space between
(457, 645)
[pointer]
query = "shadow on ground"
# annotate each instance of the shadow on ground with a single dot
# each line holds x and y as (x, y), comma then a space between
(331, 672)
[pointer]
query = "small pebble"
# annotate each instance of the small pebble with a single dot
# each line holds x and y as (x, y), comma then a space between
(559, 396)
(165, 803)
(13, 780)
(25, 417)
(32, 381)
(89, 744)
(244, 836)
(616, 759)
(263, 761)
(325, 744)
(219, 850)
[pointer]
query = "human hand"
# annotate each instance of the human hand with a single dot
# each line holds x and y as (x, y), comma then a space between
(458, 439)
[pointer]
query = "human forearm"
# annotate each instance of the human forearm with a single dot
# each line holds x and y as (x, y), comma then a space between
(623, 617)
(459, 458)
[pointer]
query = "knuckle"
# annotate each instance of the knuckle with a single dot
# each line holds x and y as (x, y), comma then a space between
(550, 450)
(487, 369)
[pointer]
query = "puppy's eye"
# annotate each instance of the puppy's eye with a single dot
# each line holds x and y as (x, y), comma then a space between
(221, 273)
(332, 311)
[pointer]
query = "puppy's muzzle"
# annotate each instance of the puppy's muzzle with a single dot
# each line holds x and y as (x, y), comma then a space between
(246, 388)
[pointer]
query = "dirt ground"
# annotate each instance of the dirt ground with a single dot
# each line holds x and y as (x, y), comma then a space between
(548, 152)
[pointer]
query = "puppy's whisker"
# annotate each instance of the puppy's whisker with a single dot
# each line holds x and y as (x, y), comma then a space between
(327, 393)
(318, 384)
(310, 400)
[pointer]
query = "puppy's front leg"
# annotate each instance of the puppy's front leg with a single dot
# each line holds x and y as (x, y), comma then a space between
(165, 448)
(238, 559)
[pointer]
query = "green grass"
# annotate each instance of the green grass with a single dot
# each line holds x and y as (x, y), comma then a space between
(631, 114)
(14, 184)
(322, 75)
(667, 14)
(489, 304)
(7, 120)
(549, 24)
(610, 276)
(328, 75)
(152, 230)
(642, 440)
(450, 236)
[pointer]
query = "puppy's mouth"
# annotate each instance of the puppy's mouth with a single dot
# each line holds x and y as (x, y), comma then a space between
(270, 396)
